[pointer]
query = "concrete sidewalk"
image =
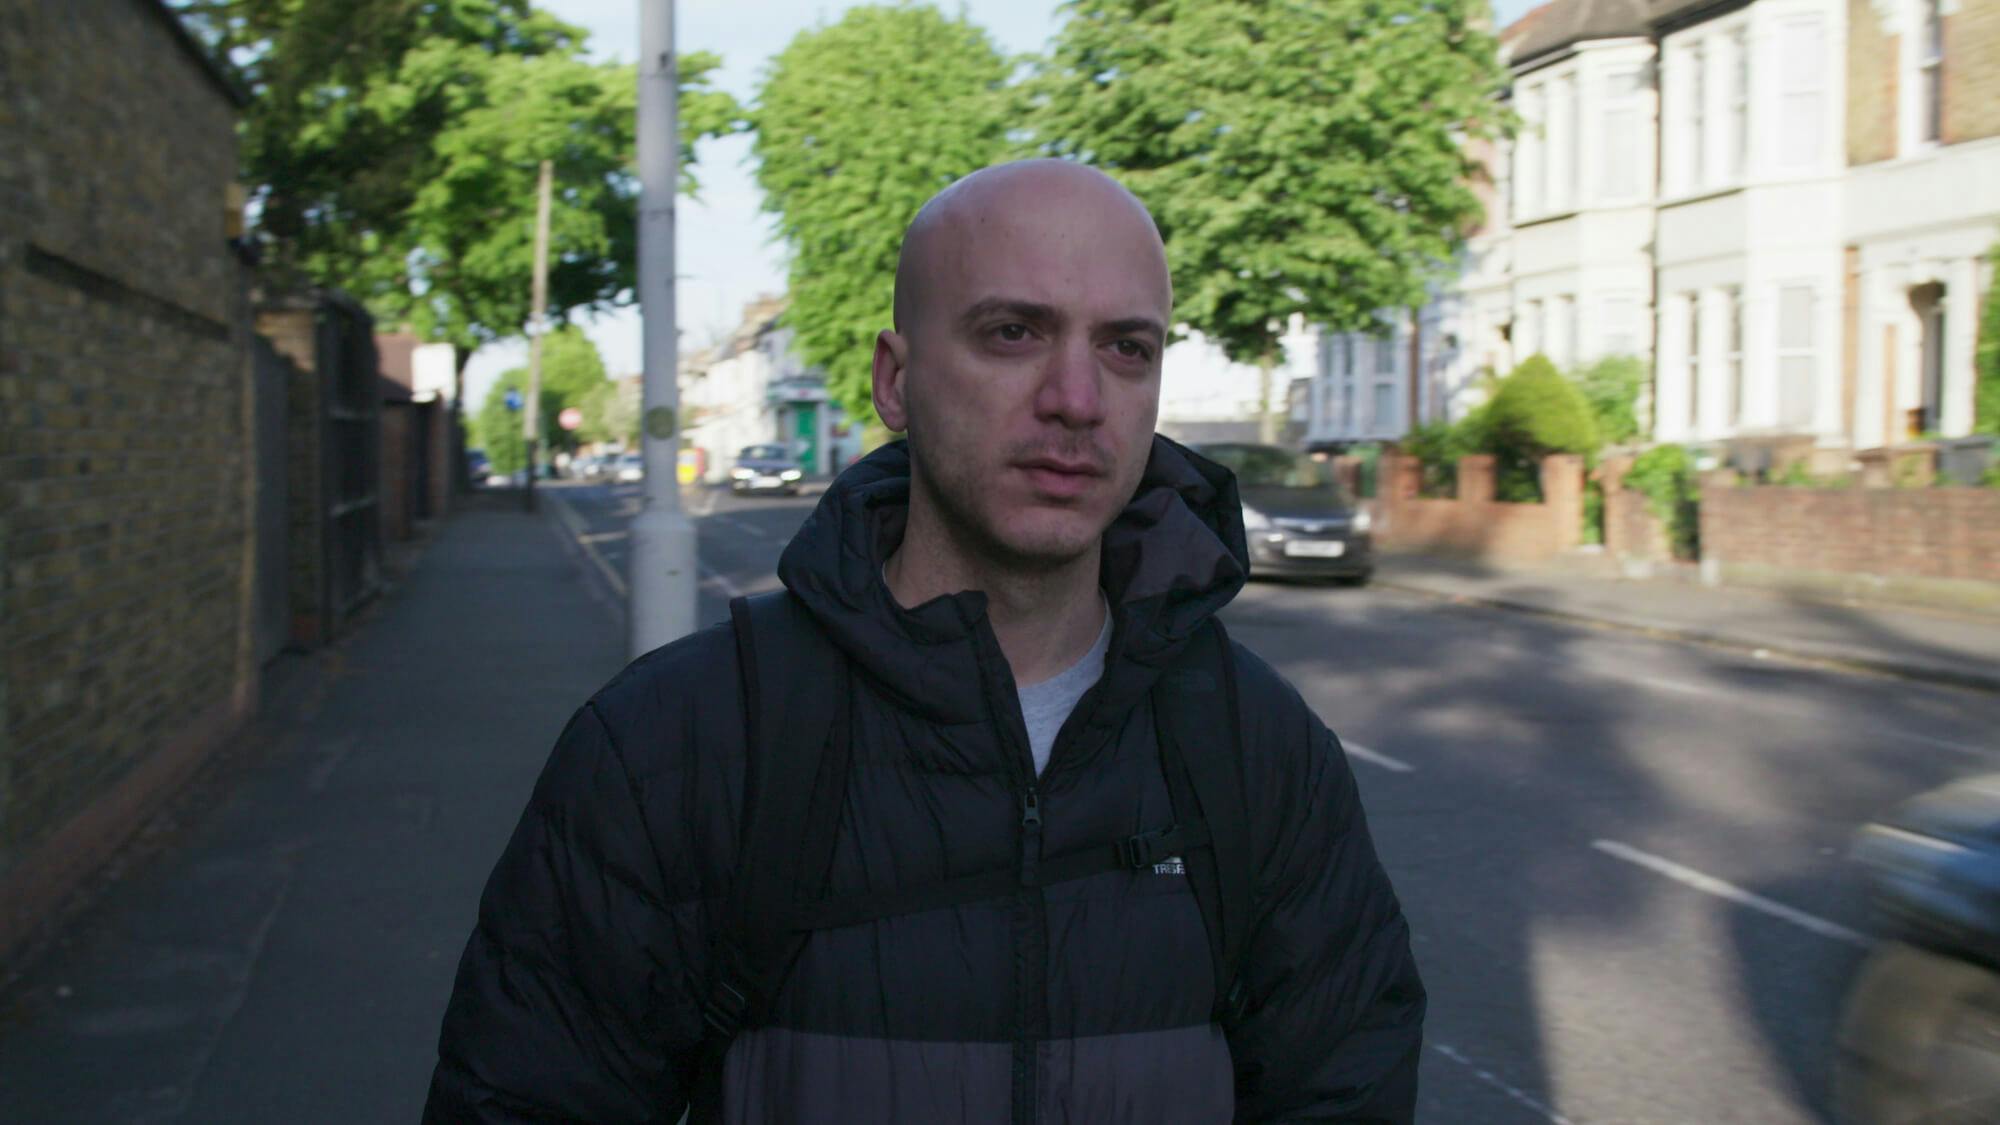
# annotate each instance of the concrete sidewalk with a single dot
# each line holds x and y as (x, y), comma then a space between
(1929, 645)
(286, 955)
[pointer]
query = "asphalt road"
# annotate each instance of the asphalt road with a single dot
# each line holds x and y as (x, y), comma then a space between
(1622, 858)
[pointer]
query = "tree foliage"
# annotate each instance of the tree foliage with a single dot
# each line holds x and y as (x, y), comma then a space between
(611, 413)
(1306, 157)
(1536, 412)
(393, 147)
(1611, 386)
(1986, 387)
(858, 123)
(572, 371)
(498, 429)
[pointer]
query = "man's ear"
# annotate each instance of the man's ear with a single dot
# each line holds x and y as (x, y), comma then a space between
(891, 382)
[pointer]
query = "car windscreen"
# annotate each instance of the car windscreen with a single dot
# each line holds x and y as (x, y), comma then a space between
(1268, 466)
(762, 453)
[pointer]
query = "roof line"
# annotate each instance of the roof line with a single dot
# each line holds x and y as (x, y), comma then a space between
(221, 77)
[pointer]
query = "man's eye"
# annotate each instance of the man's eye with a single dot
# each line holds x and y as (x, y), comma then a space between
(1133, 349)
(1012, 333)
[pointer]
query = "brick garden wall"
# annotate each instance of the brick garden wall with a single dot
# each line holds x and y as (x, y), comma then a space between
(124, 452)
(1922, 533)
(1475, 525)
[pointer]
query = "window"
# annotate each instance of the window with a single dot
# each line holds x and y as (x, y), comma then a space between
(1384, 408)
(1930, 71)
(1621, 325)
(1735, 357)
(1795, 356)
(1530, 328)
(1620, 175)
(1560, 335)
(1739, 106)
(1385, 353)
(1347, 421)
(1528, 154)
(1802, 55)
(1693, 301)
(1559, 141)
(1697, 140)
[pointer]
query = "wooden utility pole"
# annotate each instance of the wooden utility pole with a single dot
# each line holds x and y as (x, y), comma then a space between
(538, 324)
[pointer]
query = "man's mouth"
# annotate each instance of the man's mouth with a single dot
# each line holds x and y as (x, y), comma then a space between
(1058, 477)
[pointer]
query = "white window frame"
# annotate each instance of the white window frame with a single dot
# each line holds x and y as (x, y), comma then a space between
(1739, 105)
(1620, 181)
(1528, 146)
(1734, 294)
(1930, 72)
(1802, 80)
(1808, 351)
(1693, 301)
(1695, 149)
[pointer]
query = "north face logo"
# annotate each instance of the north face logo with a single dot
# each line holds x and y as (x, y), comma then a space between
(1171, 865)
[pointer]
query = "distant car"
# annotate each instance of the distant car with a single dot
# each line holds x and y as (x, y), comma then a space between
(766, 468)
(630, 468)
(1298, 519)
(476, 464)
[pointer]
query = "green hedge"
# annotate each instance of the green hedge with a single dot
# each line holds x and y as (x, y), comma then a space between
(1664, 474)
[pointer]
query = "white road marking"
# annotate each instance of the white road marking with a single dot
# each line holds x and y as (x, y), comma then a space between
(729, 588)
(1709, 884)
(1376, 758)
(574, 522)
(1514, 1094)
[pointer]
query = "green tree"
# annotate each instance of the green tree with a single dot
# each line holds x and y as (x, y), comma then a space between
(1986, 395)
(1534, 412)
(857, 124)
(571, 370)
(498, 429)
(611, 414)
(1301, 158)
(392, 147)
(1611, 386)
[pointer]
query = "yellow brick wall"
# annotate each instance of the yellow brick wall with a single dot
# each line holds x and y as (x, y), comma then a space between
(1871, 86)
(1972, 71)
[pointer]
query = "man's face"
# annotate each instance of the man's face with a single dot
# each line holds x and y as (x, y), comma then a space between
(1027, 371)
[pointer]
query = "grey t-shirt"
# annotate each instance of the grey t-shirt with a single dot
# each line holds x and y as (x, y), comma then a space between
(1046, 706)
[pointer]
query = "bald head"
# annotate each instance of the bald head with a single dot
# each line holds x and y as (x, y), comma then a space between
(1055, 198)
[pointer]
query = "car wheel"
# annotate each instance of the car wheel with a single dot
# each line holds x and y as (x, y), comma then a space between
(1919, 1042)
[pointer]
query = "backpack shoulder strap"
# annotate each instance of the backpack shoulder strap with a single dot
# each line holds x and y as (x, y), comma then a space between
(1201, 748)
(794, 783)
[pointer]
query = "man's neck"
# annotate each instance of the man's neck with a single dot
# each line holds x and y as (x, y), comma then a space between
(1045, 620)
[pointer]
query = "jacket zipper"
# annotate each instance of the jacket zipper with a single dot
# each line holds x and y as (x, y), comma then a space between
(1029, 1014)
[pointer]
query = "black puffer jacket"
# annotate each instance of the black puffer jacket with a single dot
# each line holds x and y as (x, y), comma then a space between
(578, 996)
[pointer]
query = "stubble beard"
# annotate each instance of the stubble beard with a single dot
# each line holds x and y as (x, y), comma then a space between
(953, 497)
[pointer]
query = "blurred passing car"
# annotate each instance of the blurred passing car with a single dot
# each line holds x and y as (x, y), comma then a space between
(630, 468)
(1299, 520)
(1920, 1035)
(766, 468)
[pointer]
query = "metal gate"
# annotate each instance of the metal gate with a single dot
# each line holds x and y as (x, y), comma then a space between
(351, 466)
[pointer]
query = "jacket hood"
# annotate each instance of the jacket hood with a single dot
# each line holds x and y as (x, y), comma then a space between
(1171, 559)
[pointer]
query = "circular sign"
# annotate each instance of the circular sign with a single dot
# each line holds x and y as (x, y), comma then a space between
(660, 422)
(570, 418)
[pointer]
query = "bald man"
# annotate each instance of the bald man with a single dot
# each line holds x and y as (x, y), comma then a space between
(1002, 633)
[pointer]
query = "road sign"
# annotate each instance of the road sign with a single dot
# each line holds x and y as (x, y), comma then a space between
(513, 400)
(570, 418)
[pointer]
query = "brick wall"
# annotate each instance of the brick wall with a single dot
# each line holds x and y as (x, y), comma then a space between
(124, 486)
(1920, 533)
(1972, 72)
(1476, 526)
(1871, 85)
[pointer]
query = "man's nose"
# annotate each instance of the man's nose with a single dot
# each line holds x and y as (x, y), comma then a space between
(1071, 387)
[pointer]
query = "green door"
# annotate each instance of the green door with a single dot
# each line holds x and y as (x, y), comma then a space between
(805, 425)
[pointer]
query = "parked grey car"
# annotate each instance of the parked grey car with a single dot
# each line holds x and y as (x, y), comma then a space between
(766, 468)
(1299, 521)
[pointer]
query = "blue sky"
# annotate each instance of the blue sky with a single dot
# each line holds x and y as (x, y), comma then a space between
(727, 255)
